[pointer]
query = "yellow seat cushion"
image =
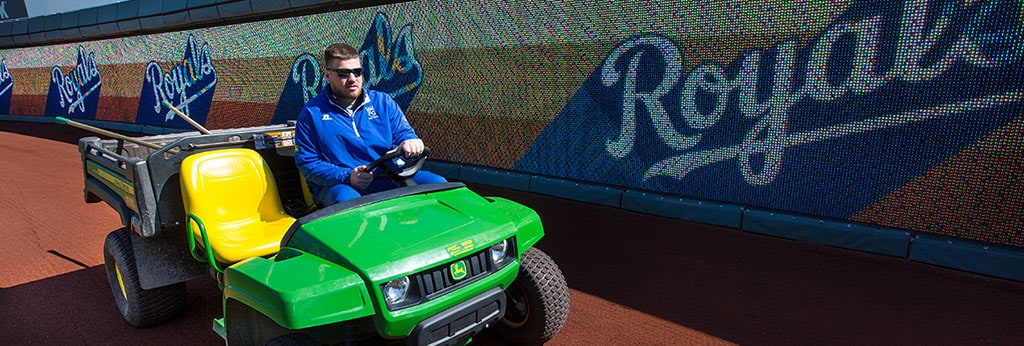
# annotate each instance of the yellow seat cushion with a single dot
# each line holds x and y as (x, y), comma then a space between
(233, 193)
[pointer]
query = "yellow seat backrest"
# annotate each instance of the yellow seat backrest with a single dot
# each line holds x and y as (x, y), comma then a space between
(233, 193)
(307, 196)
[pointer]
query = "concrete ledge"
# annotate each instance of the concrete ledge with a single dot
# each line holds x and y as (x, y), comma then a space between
(834, 233)
(713, 213)
(972, 256)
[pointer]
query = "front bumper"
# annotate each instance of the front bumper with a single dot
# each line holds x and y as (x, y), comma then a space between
(462, 321)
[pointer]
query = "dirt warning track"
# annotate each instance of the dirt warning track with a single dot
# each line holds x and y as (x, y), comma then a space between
(635, 278)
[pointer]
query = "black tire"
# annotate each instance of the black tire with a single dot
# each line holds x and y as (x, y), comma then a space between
(140, 307)
(538, 302)
(295, 339)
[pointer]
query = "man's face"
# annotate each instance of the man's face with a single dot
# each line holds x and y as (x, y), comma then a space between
(345, 77)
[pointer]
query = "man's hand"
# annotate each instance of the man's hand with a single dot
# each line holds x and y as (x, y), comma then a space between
(360, 178)
(412, 147)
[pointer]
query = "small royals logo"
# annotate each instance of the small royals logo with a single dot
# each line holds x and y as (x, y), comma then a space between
(304, 82)
(75, 94)
(387, 58)
(390, 61)
(188, 86)
(6, 86)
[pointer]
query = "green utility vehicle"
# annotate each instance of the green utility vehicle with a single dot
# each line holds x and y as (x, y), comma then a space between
(428, 265)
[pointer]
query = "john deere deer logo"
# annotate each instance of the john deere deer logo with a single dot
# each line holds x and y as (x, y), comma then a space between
(458, 270)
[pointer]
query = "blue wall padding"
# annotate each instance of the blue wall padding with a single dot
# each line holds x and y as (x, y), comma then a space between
(36, 24)
(269, 5)
(177, 18)
(172, 6)
(69, 19)
(198, 3)
(713, 213)
(52, 22)
(304, 3)
(19, 27)
(129, 25)
(127, 10)
(88, 16)
(495, 177)
(449, 170)
(106, 14)
(109, 28)
(996, 260)
(203, 14)
(150, 7)
(589, 193)
(89, 30)
(835, 233)
(151, 23)
(232, 9)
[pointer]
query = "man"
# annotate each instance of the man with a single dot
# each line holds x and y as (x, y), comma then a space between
(346, 127)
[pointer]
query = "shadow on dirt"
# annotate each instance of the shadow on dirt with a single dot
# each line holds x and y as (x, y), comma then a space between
(77, 309)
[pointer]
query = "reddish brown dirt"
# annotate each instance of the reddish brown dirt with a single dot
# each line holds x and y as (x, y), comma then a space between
(635, 278)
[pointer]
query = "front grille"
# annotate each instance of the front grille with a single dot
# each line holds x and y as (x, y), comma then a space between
(439, 280)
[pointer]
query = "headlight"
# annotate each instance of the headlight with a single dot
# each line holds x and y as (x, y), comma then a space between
(499, 251)
(396, 290)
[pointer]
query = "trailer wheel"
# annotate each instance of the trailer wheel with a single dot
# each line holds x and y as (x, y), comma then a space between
(140, 307)
(538, 301)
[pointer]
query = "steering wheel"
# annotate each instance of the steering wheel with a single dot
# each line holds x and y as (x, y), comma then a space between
(401, 175)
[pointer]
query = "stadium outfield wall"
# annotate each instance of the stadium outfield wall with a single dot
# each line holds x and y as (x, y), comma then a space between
(892, 127)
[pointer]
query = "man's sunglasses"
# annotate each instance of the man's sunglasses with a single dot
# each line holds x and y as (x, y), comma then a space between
(345, 72)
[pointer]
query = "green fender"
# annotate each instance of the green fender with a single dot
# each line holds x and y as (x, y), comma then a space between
(527, 222)
(298, 290)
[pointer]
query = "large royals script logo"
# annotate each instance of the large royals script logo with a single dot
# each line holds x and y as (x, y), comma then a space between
(188, 86)
(888, 91)
(389, 65)
(6, 88)
(77, 93)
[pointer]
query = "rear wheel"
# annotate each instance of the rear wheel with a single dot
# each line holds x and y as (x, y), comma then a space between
(296, 339)
(140, 307)
(538, 301)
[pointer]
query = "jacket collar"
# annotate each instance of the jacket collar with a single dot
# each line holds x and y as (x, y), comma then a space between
(333, 100)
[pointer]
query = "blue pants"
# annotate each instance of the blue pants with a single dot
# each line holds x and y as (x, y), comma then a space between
(341, 192)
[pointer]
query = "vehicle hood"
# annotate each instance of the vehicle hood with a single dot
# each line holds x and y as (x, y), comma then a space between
(401, 236)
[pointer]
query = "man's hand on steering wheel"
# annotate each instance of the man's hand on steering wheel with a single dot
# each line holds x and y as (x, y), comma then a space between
(412, 147)
(360, 178)
(401, 175)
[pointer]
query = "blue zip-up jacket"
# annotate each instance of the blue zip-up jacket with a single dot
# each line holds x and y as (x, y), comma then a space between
(330, 143)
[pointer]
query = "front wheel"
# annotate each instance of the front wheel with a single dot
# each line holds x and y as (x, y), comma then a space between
(538, 301)
(140, 307)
